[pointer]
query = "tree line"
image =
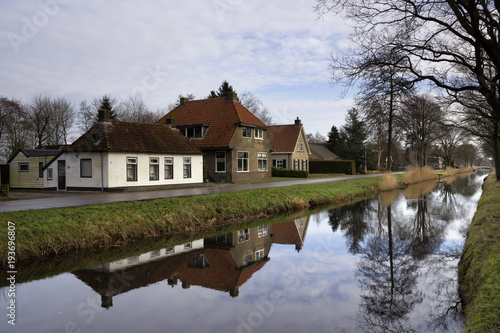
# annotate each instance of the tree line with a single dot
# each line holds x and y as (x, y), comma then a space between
(421, 128)
(45, 121)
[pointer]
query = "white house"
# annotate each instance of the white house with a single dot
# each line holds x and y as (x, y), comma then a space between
(116, 154)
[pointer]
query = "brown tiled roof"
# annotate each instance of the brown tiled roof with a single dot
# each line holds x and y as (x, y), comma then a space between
(284, 137)
(220, 113)
(322, 151)
(121, 136)
(286, 233)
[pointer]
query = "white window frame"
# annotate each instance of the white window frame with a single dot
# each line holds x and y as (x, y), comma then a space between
(217, 159)
(247, 258)
(279, 163)
(154, 168)
(259, 133)
(262, 230)
(246, 132)
(261, 160)
(169, 161)
(23, 164)
(244, 161)
(186, 167)
(259, 254)
(243, 235)
(132, 162)
(50, 174)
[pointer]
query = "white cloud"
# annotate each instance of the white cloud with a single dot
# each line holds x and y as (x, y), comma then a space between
(84, 49)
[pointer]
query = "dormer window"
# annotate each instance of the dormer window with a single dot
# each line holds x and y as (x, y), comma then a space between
(247, 132)
(194, 131)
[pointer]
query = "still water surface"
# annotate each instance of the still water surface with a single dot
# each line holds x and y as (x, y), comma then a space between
(386, 264)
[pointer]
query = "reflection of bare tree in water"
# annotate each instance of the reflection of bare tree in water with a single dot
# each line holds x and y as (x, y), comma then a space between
(352, 220)
(388, 276)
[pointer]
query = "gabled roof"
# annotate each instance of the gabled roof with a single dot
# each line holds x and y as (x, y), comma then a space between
(323, 152)
(221, 114)
(284, 137)
(35, 153)
(121, 136)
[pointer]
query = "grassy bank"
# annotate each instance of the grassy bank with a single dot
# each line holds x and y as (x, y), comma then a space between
(46, 233)
(479, 267)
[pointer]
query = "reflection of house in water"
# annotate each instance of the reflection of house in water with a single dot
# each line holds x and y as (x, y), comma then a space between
(223, 263)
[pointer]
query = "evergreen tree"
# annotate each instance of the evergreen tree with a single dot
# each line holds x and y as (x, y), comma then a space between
(334, 140)
(224, 90)
(106, 103)
(354, 135)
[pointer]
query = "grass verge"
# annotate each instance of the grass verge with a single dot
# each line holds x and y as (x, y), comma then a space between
(47, 233)
(479, 267)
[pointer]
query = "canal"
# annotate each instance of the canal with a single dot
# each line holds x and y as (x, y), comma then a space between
(386, 264)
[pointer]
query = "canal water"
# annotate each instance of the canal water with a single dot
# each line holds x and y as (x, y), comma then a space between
(387, 264)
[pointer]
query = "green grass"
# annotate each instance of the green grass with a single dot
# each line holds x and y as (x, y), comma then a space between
(479, 267)
(46, 233)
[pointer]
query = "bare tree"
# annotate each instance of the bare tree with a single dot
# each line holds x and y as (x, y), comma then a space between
(64, 114)
(85, 117)
(452, 44)
(255, 105)
(42, 116)
(420, 122)
(448, 141)
(17, 129)
(315, 138)
(134, 109)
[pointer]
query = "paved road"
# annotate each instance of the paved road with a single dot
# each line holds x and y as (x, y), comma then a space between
(48, 200)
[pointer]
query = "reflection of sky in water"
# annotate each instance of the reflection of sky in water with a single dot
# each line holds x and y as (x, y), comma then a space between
(314, 290)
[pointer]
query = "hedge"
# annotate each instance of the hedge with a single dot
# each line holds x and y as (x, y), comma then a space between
(337, 166)
(278, 172)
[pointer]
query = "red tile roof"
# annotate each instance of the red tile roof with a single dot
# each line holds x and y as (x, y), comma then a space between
(221, 114)
(121, 136)
(284, 137)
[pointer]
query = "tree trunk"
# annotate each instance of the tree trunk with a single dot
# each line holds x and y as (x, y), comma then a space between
(389, 140)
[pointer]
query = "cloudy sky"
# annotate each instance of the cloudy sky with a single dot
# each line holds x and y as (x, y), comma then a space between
(279, 50)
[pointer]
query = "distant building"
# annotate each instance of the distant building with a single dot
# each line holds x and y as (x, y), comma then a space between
(320, 152)
(26, 167)
(291, 149)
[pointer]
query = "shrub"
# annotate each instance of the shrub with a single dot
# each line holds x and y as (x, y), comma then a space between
(416, 175)
(337, 166)
(277, 172)
(388, 182)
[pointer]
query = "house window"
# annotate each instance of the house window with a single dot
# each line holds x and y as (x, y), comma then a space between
(259, 254)
(170, 250)
(303, 164)
(243, 235)
(300, 146)
(50, 174)
(221, 239)
(154, 168)
(220, 161)
(194, 132)
(242, 161)
(188, 246)
(247, 132)
(131, 169)
(169, 168)
(295, 164)
(259, 133)
(247, 258)
(40, 169)
(187, 167)
(262, 230)
(85, 168)
(23, 167)
(154, 254)
(262, 161)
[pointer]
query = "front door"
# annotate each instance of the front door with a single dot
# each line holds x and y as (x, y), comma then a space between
(61, 171)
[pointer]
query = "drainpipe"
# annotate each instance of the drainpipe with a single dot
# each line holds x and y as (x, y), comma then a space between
(102, 174)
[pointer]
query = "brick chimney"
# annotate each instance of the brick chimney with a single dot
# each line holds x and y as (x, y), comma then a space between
(298, 122)
(104, 116)
(232, 97)
(183, 101)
